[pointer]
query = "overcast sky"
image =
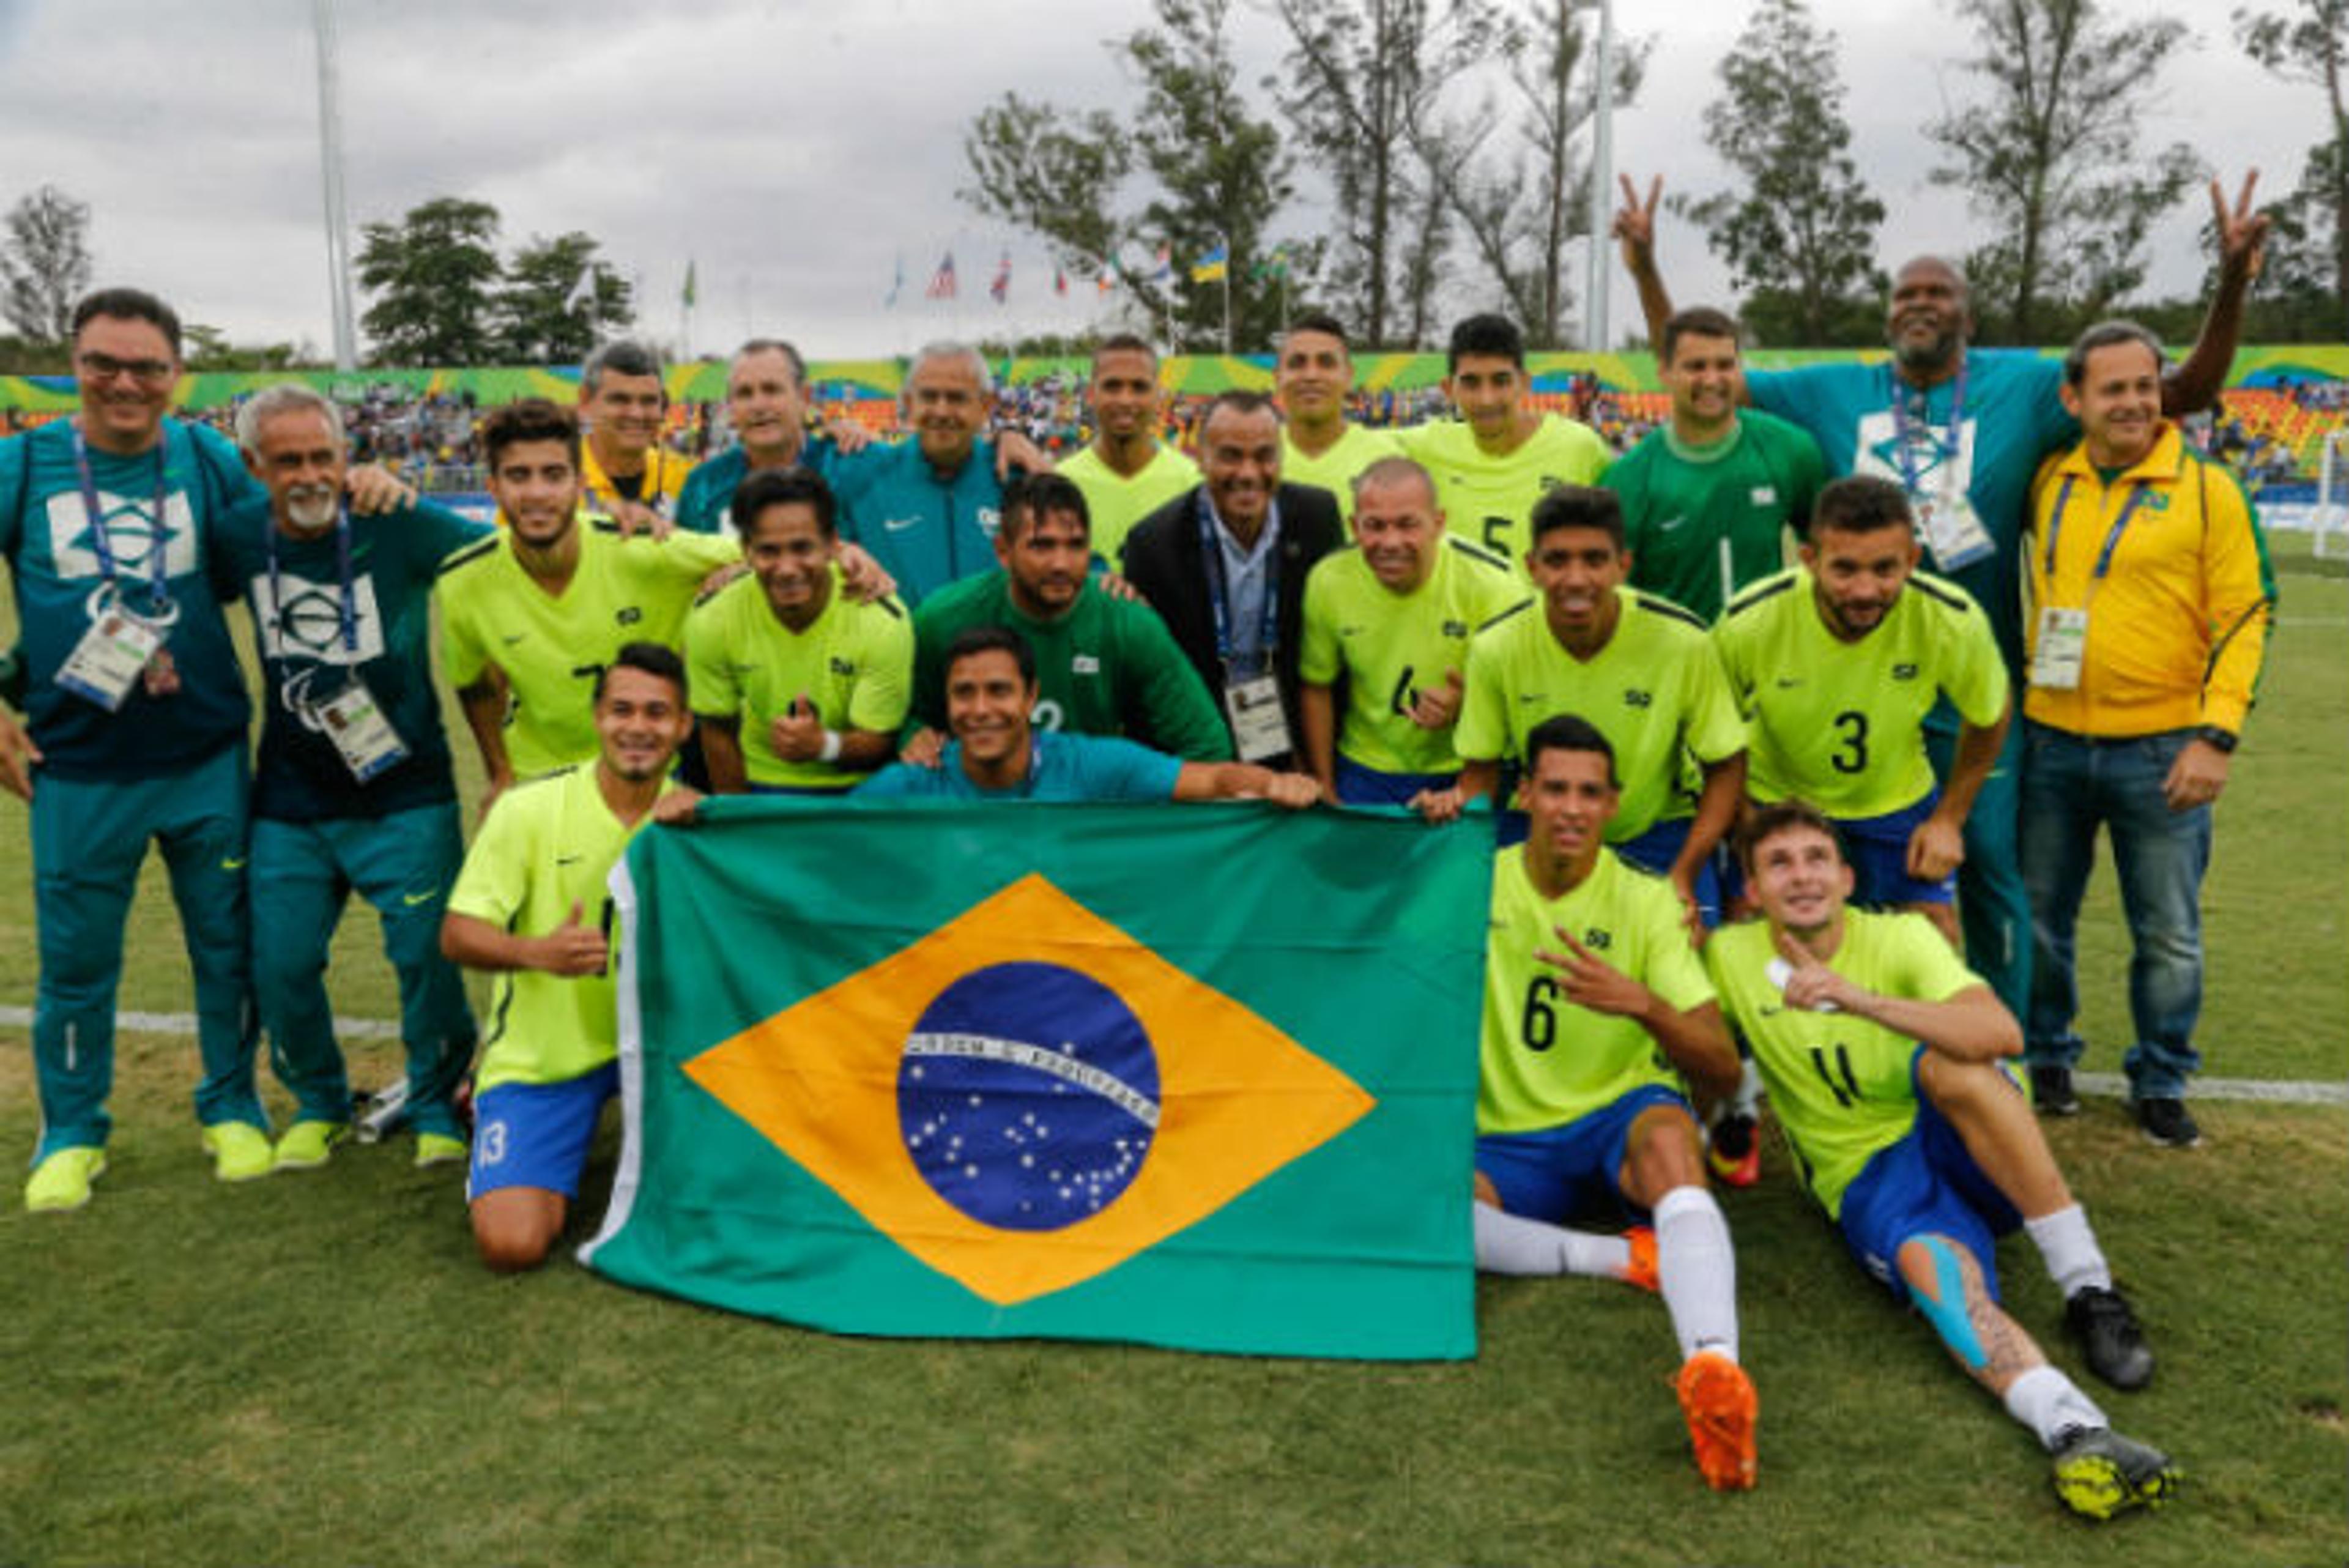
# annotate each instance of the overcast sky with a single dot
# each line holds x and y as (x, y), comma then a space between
(794, 152)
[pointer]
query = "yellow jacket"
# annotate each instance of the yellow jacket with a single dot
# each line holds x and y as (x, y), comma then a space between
(665, 472)
(2178, 622)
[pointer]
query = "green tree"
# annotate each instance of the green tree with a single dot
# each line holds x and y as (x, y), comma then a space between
(1800, 234)
(2052, 157)
(1191, 167)
(209, 348)
(1364, 77)
(434, 275)
(2307, 275)
(1525, 200)
(45, 267)
(558, 302)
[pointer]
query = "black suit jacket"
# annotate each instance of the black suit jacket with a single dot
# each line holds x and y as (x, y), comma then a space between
(1163, 560)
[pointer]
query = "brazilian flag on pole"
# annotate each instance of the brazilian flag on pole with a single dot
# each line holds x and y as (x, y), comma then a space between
(1201, 1077)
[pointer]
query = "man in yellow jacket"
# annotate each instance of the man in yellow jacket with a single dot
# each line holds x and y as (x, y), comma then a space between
(2151, 591)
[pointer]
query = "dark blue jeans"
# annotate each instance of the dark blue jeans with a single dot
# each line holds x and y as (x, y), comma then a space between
(2071, 785)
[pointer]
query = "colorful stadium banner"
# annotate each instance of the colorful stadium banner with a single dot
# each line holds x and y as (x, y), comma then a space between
(1196, 1076)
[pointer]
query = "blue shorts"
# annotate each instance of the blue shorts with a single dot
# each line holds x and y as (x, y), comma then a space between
(1877, 848)
(1359, 785)
(536, 1134)
(1927, 1184)
(1561, 1172)
(1655, 849)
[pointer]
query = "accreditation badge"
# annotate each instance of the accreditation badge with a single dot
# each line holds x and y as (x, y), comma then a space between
(1260, 727)
(2060, 649)
(1952, 530)
(110, 657)
(355, 723)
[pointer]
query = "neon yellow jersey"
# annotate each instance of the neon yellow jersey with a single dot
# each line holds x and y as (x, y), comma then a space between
(1545, 1061)
(1839, 1085)
(1334, 469)
(854, 662)
(1116, 503)
(551, 645)
(662, 478)
(548, 844)
(1842, 724)
(1489, 499)
(1389, 646)
(1656, 691)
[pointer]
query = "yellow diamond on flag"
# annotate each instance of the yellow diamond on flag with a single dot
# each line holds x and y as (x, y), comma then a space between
(1028, 1097)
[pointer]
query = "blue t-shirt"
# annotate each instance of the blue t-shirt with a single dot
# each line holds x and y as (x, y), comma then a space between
(298, 624)
(2012, 417)
(45, 537)
(925, 531)
(1066, 767)
(705, 505)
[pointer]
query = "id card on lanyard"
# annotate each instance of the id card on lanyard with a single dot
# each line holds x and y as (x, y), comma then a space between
(348, 715)
(121, 644)
(2059, 649)
(1946, 519)
(1251, 703)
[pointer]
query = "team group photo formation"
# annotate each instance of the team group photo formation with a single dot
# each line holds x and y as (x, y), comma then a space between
(1639, 818)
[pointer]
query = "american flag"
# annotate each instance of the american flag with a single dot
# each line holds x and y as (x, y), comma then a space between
(942, 282)
(1002, 287)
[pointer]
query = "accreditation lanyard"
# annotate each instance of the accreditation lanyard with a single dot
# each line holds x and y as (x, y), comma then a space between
(2112, 539)
(158, 533)
(1218, 590)
(1910, 477)
(348, 605)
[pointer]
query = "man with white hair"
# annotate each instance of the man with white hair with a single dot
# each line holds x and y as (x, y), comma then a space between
(927, 509)
(353, 789)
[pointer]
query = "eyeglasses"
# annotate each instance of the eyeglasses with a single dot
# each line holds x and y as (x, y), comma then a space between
(107, 367)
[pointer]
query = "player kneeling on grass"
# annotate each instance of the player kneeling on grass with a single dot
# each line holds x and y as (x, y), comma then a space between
(531, 907)
(1881, 1053)
(1595, 1009)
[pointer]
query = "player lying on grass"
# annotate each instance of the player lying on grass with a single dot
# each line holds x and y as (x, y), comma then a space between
(1882, 1054)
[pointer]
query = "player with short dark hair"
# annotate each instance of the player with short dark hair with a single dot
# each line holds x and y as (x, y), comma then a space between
(1598, 1019)
(1884, 1056)
(1107, 666)
(1837, 664)
(797, 686)
(1126, 471)
(1501, 454)
(1640, 668)
(1313, 372)
(1710, 495)
(531, 907)
(627, 471)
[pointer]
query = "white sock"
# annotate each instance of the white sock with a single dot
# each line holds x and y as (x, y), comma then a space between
(2050, 1404)
(1697, 1272)
(2069, 1247)
(1747, 1101)
(1513, 1244)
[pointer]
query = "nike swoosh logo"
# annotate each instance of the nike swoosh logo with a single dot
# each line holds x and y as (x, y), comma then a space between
(568, 859)
(515, 637)
(234, 865)
(899, 524)
(426, 897)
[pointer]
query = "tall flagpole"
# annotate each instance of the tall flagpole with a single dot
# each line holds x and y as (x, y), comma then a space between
(1227, 292)
(330, 166)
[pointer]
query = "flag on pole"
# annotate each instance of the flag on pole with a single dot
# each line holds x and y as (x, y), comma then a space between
(1060, 281)
(1164, 271)
(1217, 264)
(1180, 1075)
(1108, 279)
(1002, 287)
(687, 295)
(942, 282)
(582, 292)
(897, 284)
(1275, 263)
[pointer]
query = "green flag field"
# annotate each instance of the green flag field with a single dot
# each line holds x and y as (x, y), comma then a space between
(314, 1368)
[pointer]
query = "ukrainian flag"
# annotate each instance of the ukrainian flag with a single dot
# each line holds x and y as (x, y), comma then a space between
(1201, 1077)
(1217, 264)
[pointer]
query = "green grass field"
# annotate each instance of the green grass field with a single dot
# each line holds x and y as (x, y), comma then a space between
(313, 1369)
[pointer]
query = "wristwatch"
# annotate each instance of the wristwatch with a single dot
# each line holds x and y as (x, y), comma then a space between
(2215, 738)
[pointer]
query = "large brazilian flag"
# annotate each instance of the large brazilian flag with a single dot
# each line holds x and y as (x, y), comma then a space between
(1201, 1077)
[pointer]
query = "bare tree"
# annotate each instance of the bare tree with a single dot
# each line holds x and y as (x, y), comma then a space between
(45, 267)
